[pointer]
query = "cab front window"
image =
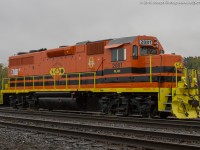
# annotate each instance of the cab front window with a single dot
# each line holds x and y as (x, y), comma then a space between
(147, 51)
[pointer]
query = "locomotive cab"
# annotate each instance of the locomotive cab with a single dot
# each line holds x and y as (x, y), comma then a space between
(140, 63)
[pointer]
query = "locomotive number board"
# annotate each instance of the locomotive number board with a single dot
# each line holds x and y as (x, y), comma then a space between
(145, 42)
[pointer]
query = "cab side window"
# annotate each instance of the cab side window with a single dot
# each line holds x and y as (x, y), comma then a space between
(135, 52)
(118, 54)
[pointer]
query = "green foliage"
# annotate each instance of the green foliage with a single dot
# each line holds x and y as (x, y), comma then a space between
(3, 73)
(192, 62)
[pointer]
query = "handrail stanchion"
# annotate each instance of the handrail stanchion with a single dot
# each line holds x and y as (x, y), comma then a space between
(24, 82)
(176, 77)
(54, 81)
(66, 81)
(94, 79)
(43, 81)
(150, 68)
(8, 83)
(33, 82)
(15, 83)
(79, 80)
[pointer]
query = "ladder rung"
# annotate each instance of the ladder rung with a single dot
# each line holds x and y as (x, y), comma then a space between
(168, 95)
(165, 111)
(167, 103)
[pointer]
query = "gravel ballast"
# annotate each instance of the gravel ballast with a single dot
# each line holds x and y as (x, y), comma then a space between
(15, 139)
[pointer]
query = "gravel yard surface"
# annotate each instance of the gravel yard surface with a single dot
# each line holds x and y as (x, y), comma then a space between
(19, 139)
(14, 139)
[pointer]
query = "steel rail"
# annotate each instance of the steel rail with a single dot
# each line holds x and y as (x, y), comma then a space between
(166, 123)
(99, 136)
(108, 128)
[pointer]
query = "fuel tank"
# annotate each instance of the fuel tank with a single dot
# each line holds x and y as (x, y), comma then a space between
(67, 103)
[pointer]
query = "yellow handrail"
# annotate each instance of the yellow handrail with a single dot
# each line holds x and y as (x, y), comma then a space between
(8, 83)
(15, 80)
(33, 82)
(15, 83)
(79, 80)
(150, 68)
(24, 83)
(43, 82)
(94, 79)
(54, 82)
(66, 81)
(176, 77)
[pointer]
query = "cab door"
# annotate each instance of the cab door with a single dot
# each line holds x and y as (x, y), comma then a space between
(135, 51)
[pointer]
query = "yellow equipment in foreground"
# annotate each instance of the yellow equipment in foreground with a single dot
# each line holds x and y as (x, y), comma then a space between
(182, 100)
(185, 97)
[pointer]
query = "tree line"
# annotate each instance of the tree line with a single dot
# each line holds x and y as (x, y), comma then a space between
(3, 73)
(192, 62)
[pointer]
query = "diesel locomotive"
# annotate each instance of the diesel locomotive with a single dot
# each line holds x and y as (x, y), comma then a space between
(122, 76)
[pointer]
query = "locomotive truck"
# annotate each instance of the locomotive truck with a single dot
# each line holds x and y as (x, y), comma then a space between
(122, 76)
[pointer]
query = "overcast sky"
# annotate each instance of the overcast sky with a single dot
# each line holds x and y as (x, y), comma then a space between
(33, 24)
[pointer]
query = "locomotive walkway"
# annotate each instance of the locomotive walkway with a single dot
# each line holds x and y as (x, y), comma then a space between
(108, 129)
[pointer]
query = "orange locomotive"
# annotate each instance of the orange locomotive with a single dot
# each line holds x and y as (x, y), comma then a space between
(129, 75)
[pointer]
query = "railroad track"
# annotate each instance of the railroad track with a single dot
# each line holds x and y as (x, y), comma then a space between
(158, 123)
(124, 136)
(119, 135)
